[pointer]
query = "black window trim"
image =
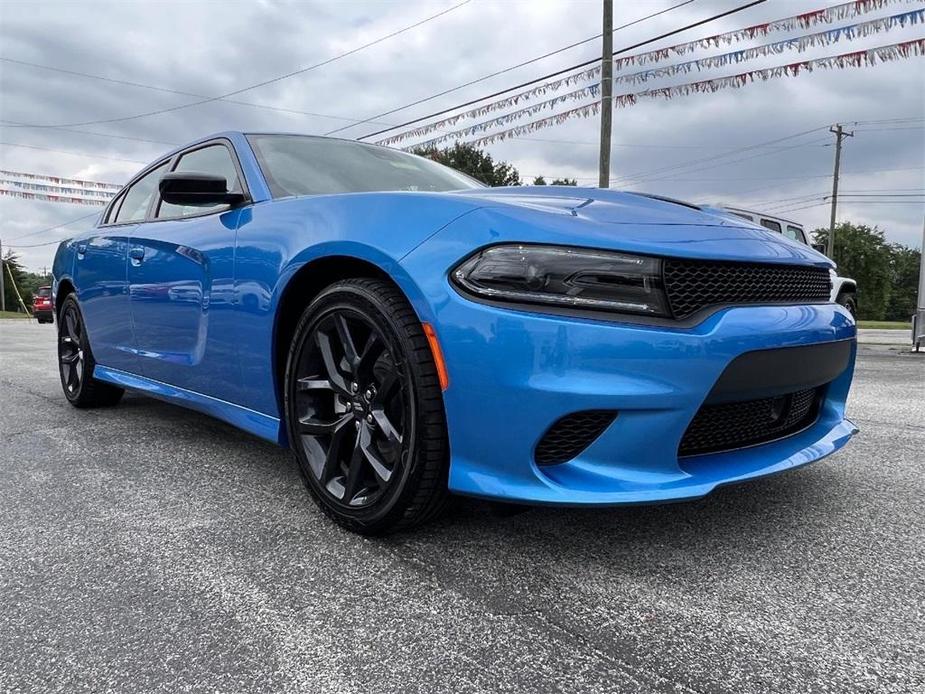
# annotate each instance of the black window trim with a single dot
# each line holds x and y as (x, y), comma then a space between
(227, 144)
(172, 162)
(120, 196)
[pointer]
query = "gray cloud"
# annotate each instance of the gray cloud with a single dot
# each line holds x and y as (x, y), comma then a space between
(211, 48)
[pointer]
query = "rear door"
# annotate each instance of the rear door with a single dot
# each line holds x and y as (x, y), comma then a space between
(181, 282)
(100, 272)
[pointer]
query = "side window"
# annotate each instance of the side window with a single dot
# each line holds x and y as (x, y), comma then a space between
(795, 233)
(135, 202)
(771, 224)
(113, 210)
(744, 216)
(215, 160)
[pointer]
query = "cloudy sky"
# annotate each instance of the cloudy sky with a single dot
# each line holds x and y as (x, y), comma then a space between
(685, 147)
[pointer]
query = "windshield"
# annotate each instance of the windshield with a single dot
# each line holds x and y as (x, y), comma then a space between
(305, 165)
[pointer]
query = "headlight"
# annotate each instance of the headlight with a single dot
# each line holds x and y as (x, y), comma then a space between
(568, 277)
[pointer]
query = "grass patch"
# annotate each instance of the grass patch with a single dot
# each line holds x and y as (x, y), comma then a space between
(12, 314)
(885, 324)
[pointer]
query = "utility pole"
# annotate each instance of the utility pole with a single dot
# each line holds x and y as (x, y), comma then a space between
(918, 320)
(2, 289)
(839, 134)
(606, 94)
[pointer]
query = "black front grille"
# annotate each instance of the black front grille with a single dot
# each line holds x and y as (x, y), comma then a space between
(571, 434)
(738, 424)
(692, 285)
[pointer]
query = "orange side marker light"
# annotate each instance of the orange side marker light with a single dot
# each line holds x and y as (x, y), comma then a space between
(437, 354)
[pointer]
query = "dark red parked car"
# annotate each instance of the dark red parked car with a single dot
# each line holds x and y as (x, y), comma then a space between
(41, 305)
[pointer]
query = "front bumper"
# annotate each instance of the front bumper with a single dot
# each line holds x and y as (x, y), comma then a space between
(513, 373)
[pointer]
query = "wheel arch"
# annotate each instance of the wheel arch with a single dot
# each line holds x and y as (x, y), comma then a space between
(309, 280)
(843, 285)
(65, 287)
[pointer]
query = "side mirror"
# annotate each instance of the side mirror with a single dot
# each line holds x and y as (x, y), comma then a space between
(197, 189)
(819, 247)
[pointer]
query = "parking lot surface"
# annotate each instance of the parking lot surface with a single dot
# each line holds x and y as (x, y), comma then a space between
(148, 548)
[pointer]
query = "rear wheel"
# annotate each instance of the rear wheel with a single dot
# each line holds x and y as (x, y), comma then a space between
(364, 409)
(75, 362)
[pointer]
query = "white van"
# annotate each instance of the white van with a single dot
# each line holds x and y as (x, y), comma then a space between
(844, 290)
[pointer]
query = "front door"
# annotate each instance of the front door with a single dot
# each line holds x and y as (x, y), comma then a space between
(101, 274)
(181, 283)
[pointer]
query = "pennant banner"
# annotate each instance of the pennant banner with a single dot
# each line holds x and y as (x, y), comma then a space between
(799, 44)
(57, 180)
(835, 13)
(101, 195)
(50, 198)
(882, 54)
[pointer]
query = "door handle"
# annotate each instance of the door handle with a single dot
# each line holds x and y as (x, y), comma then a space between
(137, 254)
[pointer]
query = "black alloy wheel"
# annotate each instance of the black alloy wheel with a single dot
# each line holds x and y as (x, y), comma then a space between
(70, 349)
(364, 409)
(76, 364)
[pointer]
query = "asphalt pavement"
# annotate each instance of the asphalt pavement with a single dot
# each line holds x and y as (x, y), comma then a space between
(146, 548)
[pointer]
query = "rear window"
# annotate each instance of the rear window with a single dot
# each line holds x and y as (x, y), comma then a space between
(771, 224)
(43, 292)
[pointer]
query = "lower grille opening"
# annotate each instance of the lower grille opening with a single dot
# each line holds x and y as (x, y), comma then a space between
(727, 426)
(572, 434)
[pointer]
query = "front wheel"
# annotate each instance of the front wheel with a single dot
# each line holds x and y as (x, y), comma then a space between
(75, 362)
(850, 303)
(364, 409)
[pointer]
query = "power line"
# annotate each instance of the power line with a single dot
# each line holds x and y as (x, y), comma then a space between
(75, 154)
(503, 71)
(684, 168)
(544, 77)
(264, 83)
(7, 123)
(38, 245)
(630, 144)
(167, 90)
(52, 228)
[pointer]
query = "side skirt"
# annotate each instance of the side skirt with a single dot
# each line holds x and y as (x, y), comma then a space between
(257, 423)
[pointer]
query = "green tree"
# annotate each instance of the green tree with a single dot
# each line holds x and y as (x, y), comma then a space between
(565, 182)
(10, 266)
(539, 181)
(474, 162)
(905, 265)
(863, 254)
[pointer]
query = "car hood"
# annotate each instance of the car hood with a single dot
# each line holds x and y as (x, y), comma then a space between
(609, 206)
(631, 222)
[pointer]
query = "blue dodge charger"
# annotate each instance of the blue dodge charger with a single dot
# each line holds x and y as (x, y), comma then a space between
(408, 332)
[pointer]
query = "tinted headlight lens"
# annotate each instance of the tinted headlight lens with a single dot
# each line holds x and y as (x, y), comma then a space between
(569, 277)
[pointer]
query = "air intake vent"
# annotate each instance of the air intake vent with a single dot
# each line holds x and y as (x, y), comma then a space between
(692, 285)
(572, 434)
(734, 425)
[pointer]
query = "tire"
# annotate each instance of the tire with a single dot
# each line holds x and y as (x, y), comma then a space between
(850, 303)
(366, 423)
(76, 364)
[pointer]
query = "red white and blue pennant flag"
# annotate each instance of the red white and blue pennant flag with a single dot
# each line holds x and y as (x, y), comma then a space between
(74, 191)
(799, 44)
(856, 59)
(827, 15)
